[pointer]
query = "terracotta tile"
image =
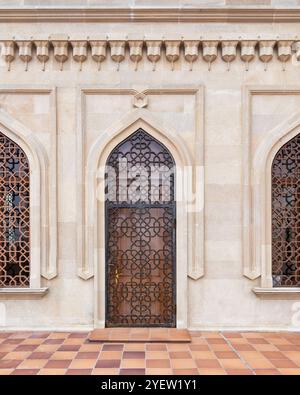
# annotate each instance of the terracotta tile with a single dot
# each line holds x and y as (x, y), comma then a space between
(266, 347)
(52, 372)
(273, 355)
(132, 372)
(156, 347)
(133, 354)
(82, 364)
(243, 372)
(243, 347)
(33, 341)
(134, 347)
(199, 347)
(251, 355)
(157, 355)
(33, 364)
(178, 347)
(23, 372)
(90, 347)
(20, 355)
(208, 363)
(73, 342)
(261, 363)
(133, 363)
(226, 354)
(47, 348)
(232, 364)
(264, 372)
(58, 364)
(9, 363)
(295, 372)
(110, 355)
(214, 372)
(78, 335)
(216, 341)
(39, 335)
(220, 347)
(58, 335)
(8, 347)
(88, 355)
(112, 347)
(186, 372)
(26, 347)
(108, 363)
(158, 363)
(63, 355)
(53, 341)
(283, 363)
(257, 341)
(286, 347)
(203, 355)
(4, 335)
(40, 355)
(79, 372)
(180, 355)
(232, 335)
(159, 372)
(183, 363)
(12, 341)
(109, 372)
(5, 372)
(69, 348)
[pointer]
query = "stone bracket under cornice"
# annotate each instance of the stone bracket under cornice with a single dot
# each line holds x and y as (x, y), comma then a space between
(62, 48)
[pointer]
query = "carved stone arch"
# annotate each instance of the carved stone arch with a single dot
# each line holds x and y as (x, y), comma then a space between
(40, 262)
(94, 207)
(261, 196)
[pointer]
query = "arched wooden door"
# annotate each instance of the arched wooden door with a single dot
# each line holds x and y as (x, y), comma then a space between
(140, 214)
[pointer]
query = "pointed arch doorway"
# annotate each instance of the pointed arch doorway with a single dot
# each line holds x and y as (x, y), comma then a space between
(140, 234)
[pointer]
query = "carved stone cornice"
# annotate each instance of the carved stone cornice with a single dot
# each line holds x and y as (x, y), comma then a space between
(182, 14)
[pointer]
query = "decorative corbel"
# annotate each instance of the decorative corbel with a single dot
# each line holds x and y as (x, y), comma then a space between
(135, 51)
(266, 51)
(25, 51)
(210, 51)
(296, 49)
(42, 51)
(153, 52)
(229, 52)
(284, 50)
(79, 52)
(191, 51)
(117, 51)
(98, 49)
(172, 51)
(248, 51)
(60, 51)
(8, 51)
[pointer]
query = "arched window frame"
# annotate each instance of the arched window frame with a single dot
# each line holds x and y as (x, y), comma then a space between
(39, 201)
(260, 228)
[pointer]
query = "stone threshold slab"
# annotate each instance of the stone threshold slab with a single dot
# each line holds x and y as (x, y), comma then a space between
(134, 335)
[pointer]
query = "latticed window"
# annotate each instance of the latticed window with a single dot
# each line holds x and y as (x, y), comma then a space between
(14, 215)
(286, 215)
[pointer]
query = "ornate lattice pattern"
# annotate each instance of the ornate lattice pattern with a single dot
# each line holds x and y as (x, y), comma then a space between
(140, 242)
(14, 215)
(286, 215)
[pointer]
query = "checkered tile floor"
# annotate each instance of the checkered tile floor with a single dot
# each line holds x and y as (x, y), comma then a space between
(208, 353)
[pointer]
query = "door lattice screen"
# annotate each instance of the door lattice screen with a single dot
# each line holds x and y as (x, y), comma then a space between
(140, 236)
